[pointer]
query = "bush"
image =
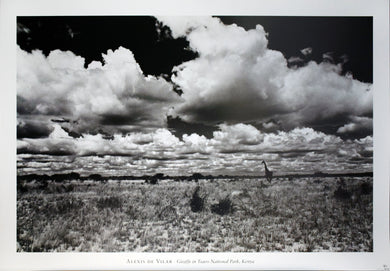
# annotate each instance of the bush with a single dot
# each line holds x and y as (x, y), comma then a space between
(22, 187)
(113, 202)
(365, 189)
(42, 185)
(197, 202)
(224, 207)
(153, 180)
(341, 193)
(59, 188)
(65, 205)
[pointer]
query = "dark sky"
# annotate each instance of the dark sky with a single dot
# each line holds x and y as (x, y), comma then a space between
(346, 38)
(349, 36)
(90, 36)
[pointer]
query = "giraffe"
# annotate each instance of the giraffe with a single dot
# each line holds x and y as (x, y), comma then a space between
(268, 173)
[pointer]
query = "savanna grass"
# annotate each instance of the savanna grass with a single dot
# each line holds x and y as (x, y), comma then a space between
(242, 215)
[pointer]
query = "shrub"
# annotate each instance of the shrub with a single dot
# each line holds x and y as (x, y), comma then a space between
(365, 188)
(224, 207)
(341, 193)
(42, 185)
(341, 181)
(197, 202)
(65, 205)
(59, 188)
(22, 187)
(153, 180)
(113, 202)
(68, 188)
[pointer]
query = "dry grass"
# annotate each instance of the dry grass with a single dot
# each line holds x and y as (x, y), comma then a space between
(240, 215)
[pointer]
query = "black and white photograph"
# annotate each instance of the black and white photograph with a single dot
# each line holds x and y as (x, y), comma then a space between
(194, 133)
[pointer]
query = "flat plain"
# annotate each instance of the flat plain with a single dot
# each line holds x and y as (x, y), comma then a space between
(208, 215)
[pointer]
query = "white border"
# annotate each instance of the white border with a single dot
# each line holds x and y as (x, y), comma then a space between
(10, 260)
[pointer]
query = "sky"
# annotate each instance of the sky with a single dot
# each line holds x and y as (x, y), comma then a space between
(139, 95)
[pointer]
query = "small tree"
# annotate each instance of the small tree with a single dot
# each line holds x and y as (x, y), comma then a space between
(155, 178)
(197, 202)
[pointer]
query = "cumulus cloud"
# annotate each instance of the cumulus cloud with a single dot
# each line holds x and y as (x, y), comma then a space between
(180, 27)
(131, 144)
(233, 149)
(111, 93)
(210, 37)
(33, 128)
(236, 78)
(238, 137)
(356, 124)
(317, 92)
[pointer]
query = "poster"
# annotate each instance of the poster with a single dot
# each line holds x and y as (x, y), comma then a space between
(154, 136)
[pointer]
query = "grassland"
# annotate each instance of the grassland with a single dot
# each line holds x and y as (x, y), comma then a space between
(226, 215)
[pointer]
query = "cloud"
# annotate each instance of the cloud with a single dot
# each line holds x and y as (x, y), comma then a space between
(32, 128)
(195, 143)
(131, 144)
(233, 149)
(307, 51)
(236, 135)
(300, 139)
(236, 78)
(230, 88)
(269, 125)
(295, 60)
(210, 37)
(328, 57)
(356, 124)
(344, 58)
(21, 28)
(111, 93)
(317, 92)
